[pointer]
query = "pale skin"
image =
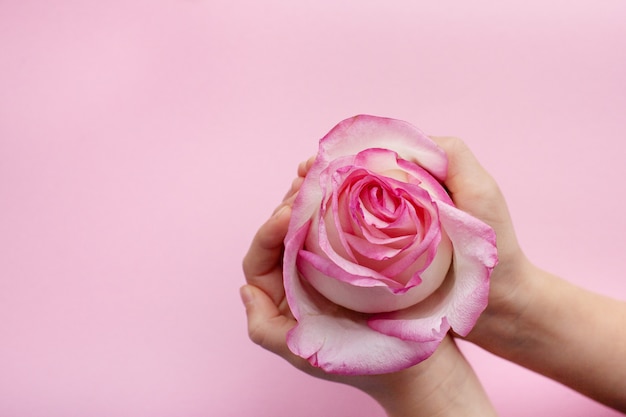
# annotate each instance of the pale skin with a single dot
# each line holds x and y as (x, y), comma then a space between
(577, 338)
(535, 318)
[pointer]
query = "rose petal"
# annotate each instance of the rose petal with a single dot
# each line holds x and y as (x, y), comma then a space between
(337, 340)
(311, 265)
(355, 134)
(344, 344)
(378, 251)
(363, 293)
(475, 256)
(299, 304)
(426, 181)
(463, 297)
(375, 251)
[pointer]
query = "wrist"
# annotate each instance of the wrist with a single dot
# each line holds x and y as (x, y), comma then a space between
(443, 385)
(503, 326)
(516, 321)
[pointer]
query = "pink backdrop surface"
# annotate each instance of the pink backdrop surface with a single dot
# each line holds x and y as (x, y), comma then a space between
(142, 142)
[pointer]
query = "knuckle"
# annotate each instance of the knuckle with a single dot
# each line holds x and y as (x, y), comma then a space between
(247, 267)
(451, 143)
(256, 335)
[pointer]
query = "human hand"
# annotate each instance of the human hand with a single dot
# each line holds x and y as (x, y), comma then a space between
(442, 385)
(556, 336)
(473, 190)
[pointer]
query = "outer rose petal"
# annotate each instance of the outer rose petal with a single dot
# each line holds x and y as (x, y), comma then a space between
(362, 132)
(363, 293)
(461, 300)
(339, 340)
(476, 255)
(299, 301)
(347, 346)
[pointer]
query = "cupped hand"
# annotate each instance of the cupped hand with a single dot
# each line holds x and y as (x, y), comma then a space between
(438, 385)
(473, 190)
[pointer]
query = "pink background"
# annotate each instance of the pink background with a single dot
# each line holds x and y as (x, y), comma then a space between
(142, 142)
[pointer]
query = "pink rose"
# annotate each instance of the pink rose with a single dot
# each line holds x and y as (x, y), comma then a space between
(378, 262)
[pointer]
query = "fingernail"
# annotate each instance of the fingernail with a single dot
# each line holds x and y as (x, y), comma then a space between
(246, 294)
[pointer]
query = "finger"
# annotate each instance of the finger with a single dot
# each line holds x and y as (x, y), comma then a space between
(470, 185)
(463, 167)
(267, 327)
(295, 187)
(475, 191)
(303, 169)
(304, 166)
(266, 248)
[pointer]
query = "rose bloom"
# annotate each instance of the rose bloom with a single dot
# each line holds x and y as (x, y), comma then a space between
(378, 262)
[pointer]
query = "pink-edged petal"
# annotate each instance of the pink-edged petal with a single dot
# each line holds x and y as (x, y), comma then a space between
(397, 242)
(314, 189)
(428, 272)
(421, 322)
(475, 256)
(331, 231)
(361, 293)
(361, 132)
(320, 244)
(381, 161)
(375, 251)
(423, 247)
(344, 344)
(311, 264)
(306, 204)
(462, 298)
(299, 303)
(426, 181)
(338, 340)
